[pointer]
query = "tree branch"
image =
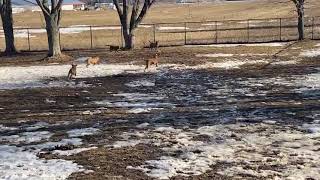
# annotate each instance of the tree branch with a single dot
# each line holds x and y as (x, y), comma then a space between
(43, 7)
(147, 4)
(134, 14)
(58, 6)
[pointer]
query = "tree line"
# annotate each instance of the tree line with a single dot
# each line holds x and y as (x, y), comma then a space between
(139, 8)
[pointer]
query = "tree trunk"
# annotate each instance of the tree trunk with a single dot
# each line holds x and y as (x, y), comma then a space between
(52, 27)
(128, 38)
(7, 24)
(301, 22)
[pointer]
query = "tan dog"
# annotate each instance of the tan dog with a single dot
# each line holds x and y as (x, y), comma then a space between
(93, 61)
(72, 71)
(152, 61)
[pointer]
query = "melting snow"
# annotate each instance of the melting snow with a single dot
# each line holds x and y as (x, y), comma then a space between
(188, 156)
(83, 132)
(73, 151)
(214, 55)
(12, 77)
(16, 163)
(27, 137)
(140, 83)
(248, 45)
(170, 28)
(5, 128)
(311, 53)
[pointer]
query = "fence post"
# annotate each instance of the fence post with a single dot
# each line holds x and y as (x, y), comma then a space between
(185, 33)
(248, 30)
(312, 28)
(216, 29)
(91, 42)
(28, 39)
(280, 29)
(154, 33)
(121, 35)
(59, 38)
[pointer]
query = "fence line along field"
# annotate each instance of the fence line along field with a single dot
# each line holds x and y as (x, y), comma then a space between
(207, 23)
(171, 34)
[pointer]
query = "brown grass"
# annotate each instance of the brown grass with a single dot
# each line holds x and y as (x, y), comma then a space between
(168, 13)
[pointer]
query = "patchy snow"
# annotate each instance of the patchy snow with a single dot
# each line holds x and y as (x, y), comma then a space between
(139, 83)
(140, 96)
(127, 143)
(73, 151)
(16, 163)
(273, 146)
(19, 34)
(6, 128)
(63, 142)
(163, 28)
(27, 137)
(137, 102)
(37, 126)
(139, 110)
(212, 24)
(248, 45)
(228, 55)
(229, 64)
(83, 132)
(290, 62)
(312, 128)
(145, 26)
(91, 112)
(309, 81)
(16, 77)
(143, 125)
(310, 53)
(214, 55)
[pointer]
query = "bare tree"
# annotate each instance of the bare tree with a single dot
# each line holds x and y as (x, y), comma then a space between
(52, 16)
(300, 11)
(7, 24)
(128, 27)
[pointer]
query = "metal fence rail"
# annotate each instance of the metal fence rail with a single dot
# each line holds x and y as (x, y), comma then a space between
(170, 34)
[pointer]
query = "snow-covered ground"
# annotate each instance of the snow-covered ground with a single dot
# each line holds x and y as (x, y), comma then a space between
(13, 77)
(248, 45)
(163, 28)
(311, 53)
(224, 144)
(262, 149)
(18, 154)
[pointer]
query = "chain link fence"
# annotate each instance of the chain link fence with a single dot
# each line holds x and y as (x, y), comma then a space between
(169, 34)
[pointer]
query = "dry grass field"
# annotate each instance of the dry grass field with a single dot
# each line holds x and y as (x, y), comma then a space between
(76, 36)
(168, 13)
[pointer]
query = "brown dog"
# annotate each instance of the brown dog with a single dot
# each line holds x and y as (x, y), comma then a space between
(114, 48)
(152, 61)
(93, 61)
(154, 45)
(72, 71)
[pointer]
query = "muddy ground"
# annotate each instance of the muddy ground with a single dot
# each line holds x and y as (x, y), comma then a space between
(159, 115)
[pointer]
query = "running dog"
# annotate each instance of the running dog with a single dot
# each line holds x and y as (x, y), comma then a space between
(152, 61)
(93, 61)
(73, 71)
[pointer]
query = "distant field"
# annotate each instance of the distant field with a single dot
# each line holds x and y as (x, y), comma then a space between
(80, 37)
(164, 13)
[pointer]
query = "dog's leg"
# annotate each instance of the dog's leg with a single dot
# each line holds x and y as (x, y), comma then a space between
(147, 66)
